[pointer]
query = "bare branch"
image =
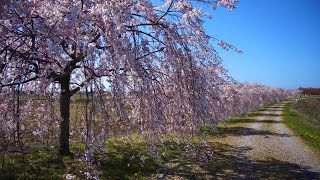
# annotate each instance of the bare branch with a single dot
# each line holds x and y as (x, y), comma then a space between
(153, 52)
(148, 34)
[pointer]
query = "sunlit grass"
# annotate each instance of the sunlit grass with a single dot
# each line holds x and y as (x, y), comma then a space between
(300, 126)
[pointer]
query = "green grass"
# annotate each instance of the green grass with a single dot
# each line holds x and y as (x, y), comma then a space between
(121, 160)
(241, 119)
(37, 164)
(302, 126)
(117, 163)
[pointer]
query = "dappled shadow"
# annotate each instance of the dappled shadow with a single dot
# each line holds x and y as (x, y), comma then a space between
(276, 169)
(122, 160)
(245, 131)
(230, 162)
(227, 162)
(223, 164)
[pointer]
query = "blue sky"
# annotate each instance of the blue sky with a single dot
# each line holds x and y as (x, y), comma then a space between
(280, 40)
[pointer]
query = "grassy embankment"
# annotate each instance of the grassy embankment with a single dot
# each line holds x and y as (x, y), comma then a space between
(303, 117)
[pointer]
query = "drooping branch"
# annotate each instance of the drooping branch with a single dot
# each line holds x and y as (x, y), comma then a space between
(75, 90)
(150, 53)
(148, 34)
(165, 13)
(19, 83)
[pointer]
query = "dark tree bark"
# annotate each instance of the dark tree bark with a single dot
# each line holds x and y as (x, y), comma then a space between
(65, 115)
(88, 117)
(66, 93)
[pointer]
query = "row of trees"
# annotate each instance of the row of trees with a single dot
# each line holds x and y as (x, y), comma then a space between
(144, 66)
(97, 117)
(309, 91)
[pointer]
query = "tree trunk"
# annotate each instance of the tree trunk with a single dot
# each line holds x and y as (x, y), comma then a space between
(65, 116)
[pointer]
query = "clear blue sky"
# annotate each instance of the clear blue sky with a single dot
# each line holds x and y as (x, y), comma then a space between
(280, 40)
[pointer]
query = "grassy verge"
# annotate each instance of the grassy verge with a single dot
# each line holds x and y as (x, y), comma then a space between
(301, 126)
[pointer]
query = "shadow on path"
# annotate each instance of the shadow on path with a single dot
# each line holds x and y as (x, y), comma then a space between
(231, 163)
(245, 131)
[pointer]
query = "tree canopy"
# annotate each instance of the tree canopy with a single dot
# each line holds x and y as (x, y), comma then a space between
(149, 66)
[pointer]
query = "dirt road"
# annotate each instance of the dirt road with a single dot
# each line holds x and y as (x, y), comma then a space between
(263, 148)
(267, 149)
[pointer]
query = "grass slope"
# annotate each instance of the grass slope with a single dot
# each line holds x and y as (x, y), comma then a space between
(303, 117)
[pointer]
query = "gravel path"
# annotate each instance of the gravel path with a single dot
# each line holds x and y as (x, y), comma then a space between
(270, 150)
(260, 149)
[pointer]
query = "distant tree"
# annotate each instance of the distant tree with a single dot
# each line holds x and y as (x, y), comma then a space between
(159, 53)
